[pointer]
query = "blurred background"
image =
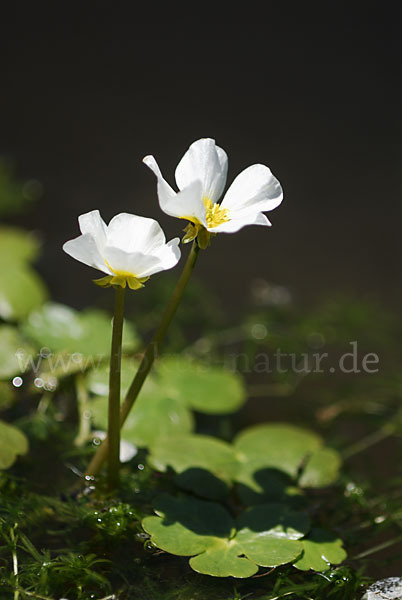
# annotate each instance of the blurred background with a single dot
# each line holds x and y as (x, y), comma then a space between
(313, 90)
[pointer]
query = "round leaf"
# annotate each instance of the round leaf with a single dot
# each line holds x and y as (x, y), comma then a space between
(12, 443)
(279, 446)
(271, 456)
(322, 468)
(187, 526)
(320, 550)
(204, 465)
(211, 390)
(224, 560)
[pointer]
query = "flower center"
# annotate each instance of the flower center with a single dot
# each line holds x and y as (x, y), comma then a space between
(121, 278)
(214, 214)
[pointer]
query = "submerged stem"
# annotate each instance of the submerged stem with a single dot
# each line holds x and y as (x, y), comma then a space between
(150, 354)
(84, 427)
(114, 391)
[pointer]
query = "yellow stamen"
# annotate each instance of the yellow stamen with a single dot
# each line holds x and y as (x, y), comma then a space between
(214, 214)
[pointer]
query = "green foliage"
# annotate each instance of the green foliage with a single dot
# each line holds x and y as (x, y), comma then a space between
(162, 409)
(63, 329)
(13, 349)
(276, 457)
(12, 444)
(21, 289)
(204, 464)
(207, 389)
(320, 549)
(154, 416)
(221, 546)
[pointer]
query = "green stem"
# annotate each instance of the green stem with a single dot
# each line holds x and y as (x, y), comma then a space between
(387, 430)
(150, 354)
(15, 560)
(378, 548)
(114, 391)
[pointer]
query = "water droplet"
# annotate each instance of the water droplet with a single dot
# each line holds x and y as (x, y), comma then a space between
(17, 382)
(140, 467)
(38, 382)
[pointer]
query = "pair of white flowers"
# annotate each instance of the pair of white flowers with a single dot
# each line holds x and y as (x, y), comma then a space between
(131, 248)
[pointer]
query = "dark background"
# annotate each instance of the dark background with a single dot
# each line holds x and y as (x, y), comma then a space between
(313, 90)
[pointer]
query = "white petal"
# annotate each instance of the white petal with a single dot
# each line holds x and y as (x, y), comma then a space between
(240, 220)
(188, 204)
(92, 222)
(168, 257)
(85, 249)
(136, 264)
(185, 204)
(165, 192)
(132, 233)
(206, 162)
(256, 189)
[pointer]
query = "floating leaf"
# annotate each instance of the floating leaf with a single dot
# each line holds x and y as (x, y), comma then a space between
(211, 390)
(321, 469)
(264, 536)
(63, 329)
(320, 549)
(12, 443)
(203, 464)
(272, 457)
(152, 417)
(14, 352)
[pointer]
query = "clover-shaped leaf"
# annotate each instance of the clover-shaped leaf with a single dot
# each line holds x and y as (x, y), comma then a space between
(65, 330)
(320, 549)
(204, 464)
(12, 443)
(211, 390)
(276, 457)
(267, 535)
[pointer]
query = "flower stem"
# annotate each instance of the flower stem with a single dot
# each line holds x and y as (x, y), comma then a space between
(150, 354)
(114, 391)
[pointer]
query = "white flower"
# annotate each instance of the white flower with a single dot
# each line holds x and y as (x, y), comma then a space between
(201, 179)
(129, 250)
